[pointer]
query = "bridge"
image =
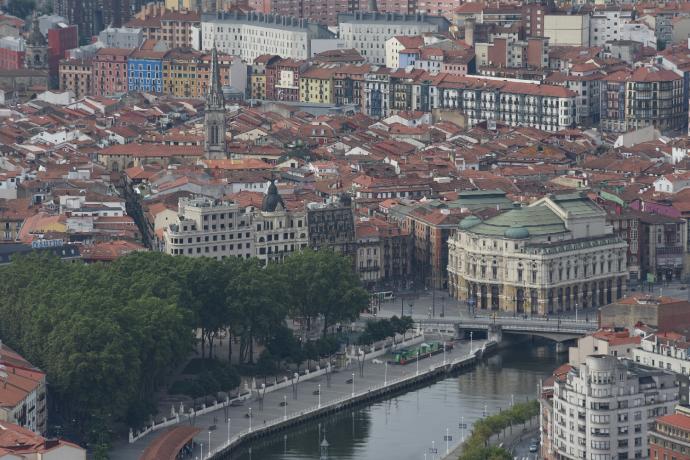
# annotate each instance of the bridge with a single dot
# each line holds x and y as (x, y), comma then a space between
(558, 330)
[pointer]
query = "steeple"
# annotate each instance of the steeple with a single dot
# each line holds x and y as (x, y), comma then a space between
(214, 116)
(214, 93)
(36, 54)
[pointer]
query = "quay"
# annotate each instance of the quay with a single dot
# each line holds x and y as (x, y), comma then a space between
(234, 426)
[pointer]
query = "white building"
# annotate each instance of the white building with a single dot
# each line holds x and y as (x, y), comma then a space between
(121, 37)
(606, 24)
(279, 231)
(252, 34)
(567, 29)
(210, 228)
(639, 32)
(605, 408)
(368, 33)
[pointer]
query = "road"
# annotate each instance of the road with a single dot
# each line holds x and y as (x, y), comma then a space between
(303, 398)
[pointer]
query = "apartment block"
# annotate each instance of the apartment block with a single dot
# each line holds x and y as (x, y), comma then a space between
(210, 228)
(605, 409)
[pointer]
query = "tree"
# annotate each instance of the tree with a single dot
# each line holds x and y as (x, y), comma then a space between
(20, 8)
(323, 284)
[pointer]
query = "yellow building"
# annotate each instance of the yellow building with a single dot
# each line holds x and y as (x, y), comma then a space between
(316, 85)
(186, 72)
(178, 5)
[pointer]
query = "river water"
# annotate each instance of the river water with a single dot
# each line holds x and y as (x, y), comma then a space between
(406, 426)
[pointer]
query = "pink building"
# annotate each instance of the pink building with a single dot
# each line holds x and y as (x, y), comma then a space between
(110, 71)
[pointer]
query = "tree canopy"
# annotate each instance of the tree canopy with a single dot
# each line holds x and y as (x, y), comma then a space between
(110, 336)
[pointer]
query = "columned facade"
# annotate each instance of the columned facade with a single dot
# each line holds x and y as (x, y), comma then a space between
(526, 261)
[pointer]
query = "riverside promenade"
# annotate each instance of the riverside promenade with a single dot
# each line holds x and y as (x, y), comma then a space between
(260, 416)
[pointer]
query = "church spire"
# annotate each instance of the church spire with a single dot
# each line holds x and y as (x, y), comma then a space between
(214, 116)
(214, 93)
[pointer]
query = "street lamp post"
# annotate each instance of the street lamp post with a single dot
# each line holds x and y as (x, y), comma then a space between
(250, 419)
(385, 373)
(284, 407)
(319, 396)
(576, 312)
(228, 420)
(353, 384)
(444, 353)
(470, 342)
(209, 443)
(447, 442)
(201, 444)
(417, 373)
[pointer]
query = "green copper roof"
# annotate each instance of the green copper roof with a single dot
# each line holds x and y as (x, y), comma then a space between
(537, 220)
(469, 222)
(516, 233)
(576, 204)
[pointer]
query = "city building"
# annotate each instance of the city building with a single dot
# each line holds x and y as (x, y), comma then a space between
(332, 225)
(12, 52)
(567, 29)
(145, 71)
(369, 32)
(177, 29)
(554, 255)
(663, 313)
(430, 225)
(110, 72)
(121, 37)
(18, 443)
(654, 97)
(258, 75)
(604, 408)
(606, 23)
(384, 254)
(606, 341)
(22, 392)
(647, 96)
(250, 35)
(513, 102)
(316, 84)
(670, 438)
(210, 228)
(75, 75)
(279, 231)
(92, 16)
(61, 38)
(283, 79)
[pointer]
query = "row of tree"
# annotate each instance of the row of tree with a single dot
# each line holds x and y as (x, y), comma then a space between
(109, 336)
(477, 447)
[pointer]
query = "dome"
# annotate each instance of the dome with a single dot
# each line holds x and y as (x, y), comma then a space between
(469, 222)
(516, 232)
(272, 199)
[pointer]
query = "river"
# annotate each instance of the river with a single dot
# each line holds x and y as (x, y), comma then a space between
(404, 427)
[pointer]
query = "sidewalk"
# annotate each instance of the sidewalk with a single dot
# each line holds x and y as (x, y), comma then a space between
(217, 429)
(508, 440)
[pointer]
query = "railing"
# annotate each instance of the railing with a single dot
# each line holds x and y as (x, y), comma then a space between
(338, 401)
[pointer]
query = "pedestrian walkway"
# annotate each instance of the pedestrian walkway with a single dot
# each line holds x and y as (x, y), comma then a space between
(217, 427)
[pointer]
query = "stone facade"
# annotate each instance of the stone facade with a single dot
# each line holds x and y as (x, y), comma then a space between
(554, 255)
